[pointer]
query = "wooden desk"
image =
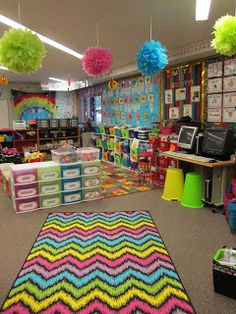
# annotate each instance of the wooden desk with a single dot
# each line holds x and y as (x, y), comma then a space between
(218, 173)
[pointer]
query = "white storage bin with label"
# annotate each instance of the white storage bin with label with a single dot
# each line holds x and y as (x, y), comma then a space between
(23, 205)
(91, 193)
(49, 187)
(71, 184)
(24, 190)
(24, 173)
(50, 200)
(71, 196)
(91, 168)
(48, 170)
(71, 171)
(91, 181)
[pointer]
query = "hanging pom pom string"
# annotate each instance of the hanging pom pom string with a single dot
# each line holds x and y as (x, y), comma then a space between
(225, 35)
(151, 57)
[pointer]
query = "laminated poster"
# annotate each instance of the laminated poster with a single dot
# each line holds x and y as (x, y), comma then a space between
(174, 113)
(143, 99)
(214, 100)
(214, 115)
(195, 93)
(168, 96)
(214, 85)
(229, 115)
(151, 98)
(215, 69)
(180, 94)
(230, 67)
(187, 110)
(230, 83)
(229, 100)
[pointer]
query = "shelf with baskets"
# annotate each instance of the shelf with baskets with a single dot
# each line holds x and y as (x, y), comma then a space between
(6, 138)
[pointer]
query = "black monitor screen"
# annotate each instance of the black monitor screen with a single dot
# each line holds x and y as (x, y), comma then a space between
(187, 136)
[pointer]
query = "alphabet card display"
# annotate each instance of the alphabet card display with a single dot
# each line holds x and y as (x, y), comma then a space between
(229, 83)
(229, 67)
(229, 100)
(214, 85)
(182, 88)
(214, 115)
(134, 102)
(214, 100)
(229, 115)
(215, 69)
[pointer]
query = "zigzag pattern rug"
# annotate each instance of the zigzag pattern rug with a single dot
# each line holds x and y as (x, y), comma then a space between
(98, 263)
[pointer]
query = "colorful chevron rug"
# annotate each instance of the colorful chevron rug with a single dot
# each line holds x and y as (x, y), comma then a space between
(98, 263)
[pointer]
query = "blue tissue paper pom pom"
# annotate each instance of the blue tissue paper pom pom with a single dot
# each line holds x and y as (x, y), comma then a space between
(151, 58)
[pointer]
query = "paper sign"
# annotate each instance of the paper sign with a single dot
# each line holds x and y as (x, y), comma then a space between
(147, 80)
(146, 116)
(151, 98)
(229, 115)
(130, 116)
(180, 94)
(214, 85)
(168, 96)
(136, 100)
(188, 110)
(214, 115)
(230, 67)
(230, 83)
(229, 100)
(215, 69)
(137, 116)
(214, 100)
(173, 112)
(143, 99)
(195, 93)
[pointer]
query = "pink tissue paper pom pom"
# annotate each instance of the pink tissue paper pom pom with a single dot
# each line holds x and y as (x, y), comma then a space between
(97, 61)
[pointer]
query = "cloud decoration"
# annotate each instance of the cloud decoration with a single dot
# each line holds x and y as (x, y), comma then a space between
(97, 61)
(225, 35)
(21, 51)
(151, 57)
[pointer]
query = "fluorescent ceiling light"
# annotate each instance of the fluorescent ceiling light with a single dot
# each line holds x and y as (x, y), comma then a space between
(202, 10)
(3, 68)
(11, 23)
(57, 79)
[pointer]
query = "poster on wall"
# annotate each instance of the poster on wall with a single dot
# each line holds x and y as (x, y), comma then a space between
(188, 110)
(168, 96)
(174, 113)
(214, 115)
(214, 85)
(229, 115)
(180, 94)
(230, 67)
(229, 83)
(215, 69)
(214, 100)
(195, 93)
(229, 100)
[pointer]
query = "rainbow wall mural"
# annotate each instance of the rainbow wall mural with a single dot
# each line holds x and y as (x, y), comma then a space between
(34, 106)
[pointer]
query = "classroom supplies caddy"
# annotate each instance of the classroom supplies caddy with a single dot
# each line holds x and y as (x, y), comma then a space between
(50, 184)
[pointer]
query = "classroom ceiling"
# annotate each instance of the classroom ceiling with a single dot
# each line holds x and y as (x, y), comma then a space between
(122, 26)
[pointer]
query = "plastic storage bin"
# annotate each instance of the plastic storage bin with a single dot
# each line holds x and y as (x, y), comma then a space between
(88, 153)
(64, 157)
(91, 181)
(72, 196)
(43, 124)
(49, 187)
(64, 123)
(71, 171)
(50, 200)
(26, 204)
(90, 194)
(54, 123)
(48, 171)
(224, 272)
(22, 174)
(91, 168)
(25, 190)
(71, 184)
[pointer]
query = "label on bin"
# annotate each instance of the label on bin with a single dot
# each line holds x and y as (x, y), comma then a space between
(71, 172)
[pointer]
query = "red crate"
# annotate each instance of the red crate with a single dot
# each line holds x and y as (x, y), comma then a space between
(163, 162)
(164, 145)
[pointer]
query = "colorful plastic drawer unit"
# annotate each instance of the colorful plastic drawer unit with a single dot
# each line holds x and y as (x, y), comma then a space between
(71, 184)
(49, 187)
(49, 171)
(88, 153)
(26, 204)
(71, 171)
(72, 196)
(25, 190)
(22, 174)
(91, 168)
(90, 194)
(91, 181)
(50, 200)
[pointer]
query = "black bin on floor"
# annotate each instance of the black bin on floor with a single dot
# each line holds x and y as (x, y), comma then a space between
(224, 273)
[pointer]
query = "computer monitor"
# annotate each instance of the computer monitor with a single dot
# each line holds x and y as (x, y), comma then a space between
(219, 142)
(186, 138)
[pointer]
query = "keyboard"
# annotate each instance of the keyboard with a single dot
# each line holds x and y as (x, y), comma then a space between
(189, 156)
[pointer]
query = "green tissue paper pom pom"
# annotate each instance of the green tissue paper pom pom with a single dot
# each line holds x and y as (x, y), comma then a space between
(21, 51)
(225, 35)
